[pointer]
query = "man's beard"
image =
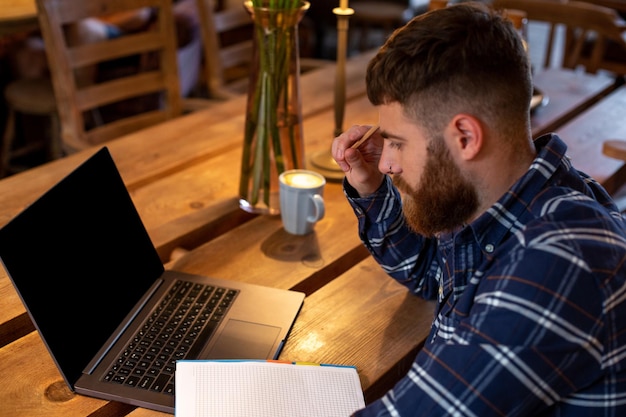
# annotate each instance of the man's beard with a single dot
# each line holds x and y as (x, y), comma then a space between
(444, 200)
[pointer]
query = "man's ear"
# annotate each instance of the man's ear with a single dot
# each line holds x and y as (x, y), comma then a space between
(466, 136)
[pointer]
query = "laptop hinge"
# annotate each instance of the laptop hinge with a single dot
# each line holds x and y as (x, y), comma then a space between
(91, 366)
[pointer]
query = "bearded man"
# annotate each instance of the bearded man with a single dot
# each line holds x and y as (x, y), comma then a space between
(525, 254)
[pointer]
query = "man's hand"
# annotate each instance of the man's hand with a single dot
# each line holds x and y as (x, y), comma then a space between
(361, 164)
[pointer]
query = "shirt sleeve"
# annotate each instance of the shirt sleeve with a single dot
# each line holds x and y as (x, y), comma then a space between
(406, 256)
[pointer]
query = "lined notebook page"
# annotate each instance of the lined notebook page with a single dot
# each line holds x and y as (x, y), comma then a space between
(265, 389)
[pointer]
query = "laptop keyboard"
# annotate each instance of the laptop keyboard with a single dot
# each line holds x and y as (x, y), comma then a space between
(177, 329)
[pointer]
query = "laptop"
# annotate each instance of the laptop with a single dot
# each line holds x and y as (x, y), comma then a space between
(97, 292)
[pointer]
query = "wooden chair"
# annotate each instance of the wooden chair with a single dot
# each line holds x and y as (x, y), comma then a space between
(589, 30)
(28, 97)
(79, 100)
(383, 15)
(227, 41)
(227, 36)
(437, 4)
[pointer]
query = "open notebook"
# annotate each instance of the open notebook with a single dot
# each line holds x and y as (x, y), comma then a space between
(208, 388)
(92, 282)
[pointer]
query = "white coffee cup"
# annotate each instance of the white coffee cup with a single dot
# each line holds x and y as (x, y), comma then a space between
(301, 200)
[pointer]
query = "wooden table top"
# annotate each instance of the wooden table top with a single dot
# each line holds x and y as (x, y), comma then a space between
(183, 178)
(17, 16)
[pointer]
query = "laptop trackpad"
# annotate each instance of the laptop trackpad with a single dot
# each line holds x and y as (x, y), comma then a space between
(245, 340)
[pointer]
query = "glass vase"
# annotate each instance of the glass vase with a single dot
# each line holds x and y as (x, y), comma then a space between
(273, 137)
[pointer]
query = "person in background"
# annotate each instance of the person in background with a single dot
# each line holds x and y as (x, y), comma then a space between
(524, 253)
(188, 35)
(28, 54)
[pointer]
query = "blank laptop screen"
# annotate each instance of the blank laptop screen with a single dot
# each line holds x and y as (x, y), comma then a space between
(80, 258)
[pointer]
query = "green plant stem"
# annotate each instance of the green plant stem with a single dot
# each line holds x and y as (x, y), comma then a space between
(270, 112)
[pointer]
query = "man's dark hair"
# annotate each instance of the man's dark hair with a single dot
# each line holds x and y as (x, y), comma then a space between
(464, 58)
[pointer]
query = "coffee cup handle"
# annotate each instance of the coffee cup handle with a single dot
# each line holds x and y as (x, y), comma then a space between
(318, 204)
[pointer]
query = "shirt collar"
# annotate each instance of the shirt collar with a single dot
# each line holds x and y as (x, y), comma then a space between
(507, 214)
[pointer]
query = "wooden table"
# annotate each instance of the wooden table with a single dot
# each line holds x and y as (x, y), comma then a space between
(604, 120)
(17, 16)
(584, 111)
(619, 5)
(183, 178)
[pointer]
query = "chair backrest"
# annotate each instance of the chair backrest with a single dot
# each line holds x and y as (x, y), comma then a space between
(437, 4)
(588, 30)
(77, 99)
(227, 36)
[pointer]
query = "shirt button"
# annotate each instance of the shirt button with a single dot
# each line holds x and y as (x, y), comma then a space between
(489, 248)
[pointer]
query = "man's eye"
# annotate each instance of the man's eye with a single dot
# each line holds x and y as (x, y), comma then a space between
(395, 145)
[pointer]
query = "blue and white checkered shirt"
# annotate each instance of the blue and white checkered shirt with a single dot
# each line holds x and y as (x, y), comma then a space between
(532, 299)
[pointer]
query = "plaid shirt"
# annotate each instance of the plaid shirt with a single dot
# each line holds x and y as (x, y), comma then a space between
(531, 318)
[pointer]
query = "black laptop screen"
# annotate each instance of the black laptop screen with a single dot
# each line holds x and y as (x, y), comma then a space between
(80, 259)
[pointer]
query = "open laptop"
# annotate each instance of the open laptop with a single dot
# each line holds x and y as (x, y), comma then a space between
(94, 286)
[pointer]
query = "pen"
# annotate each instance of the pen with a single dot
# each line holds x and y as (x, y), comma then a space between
(365, 137)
